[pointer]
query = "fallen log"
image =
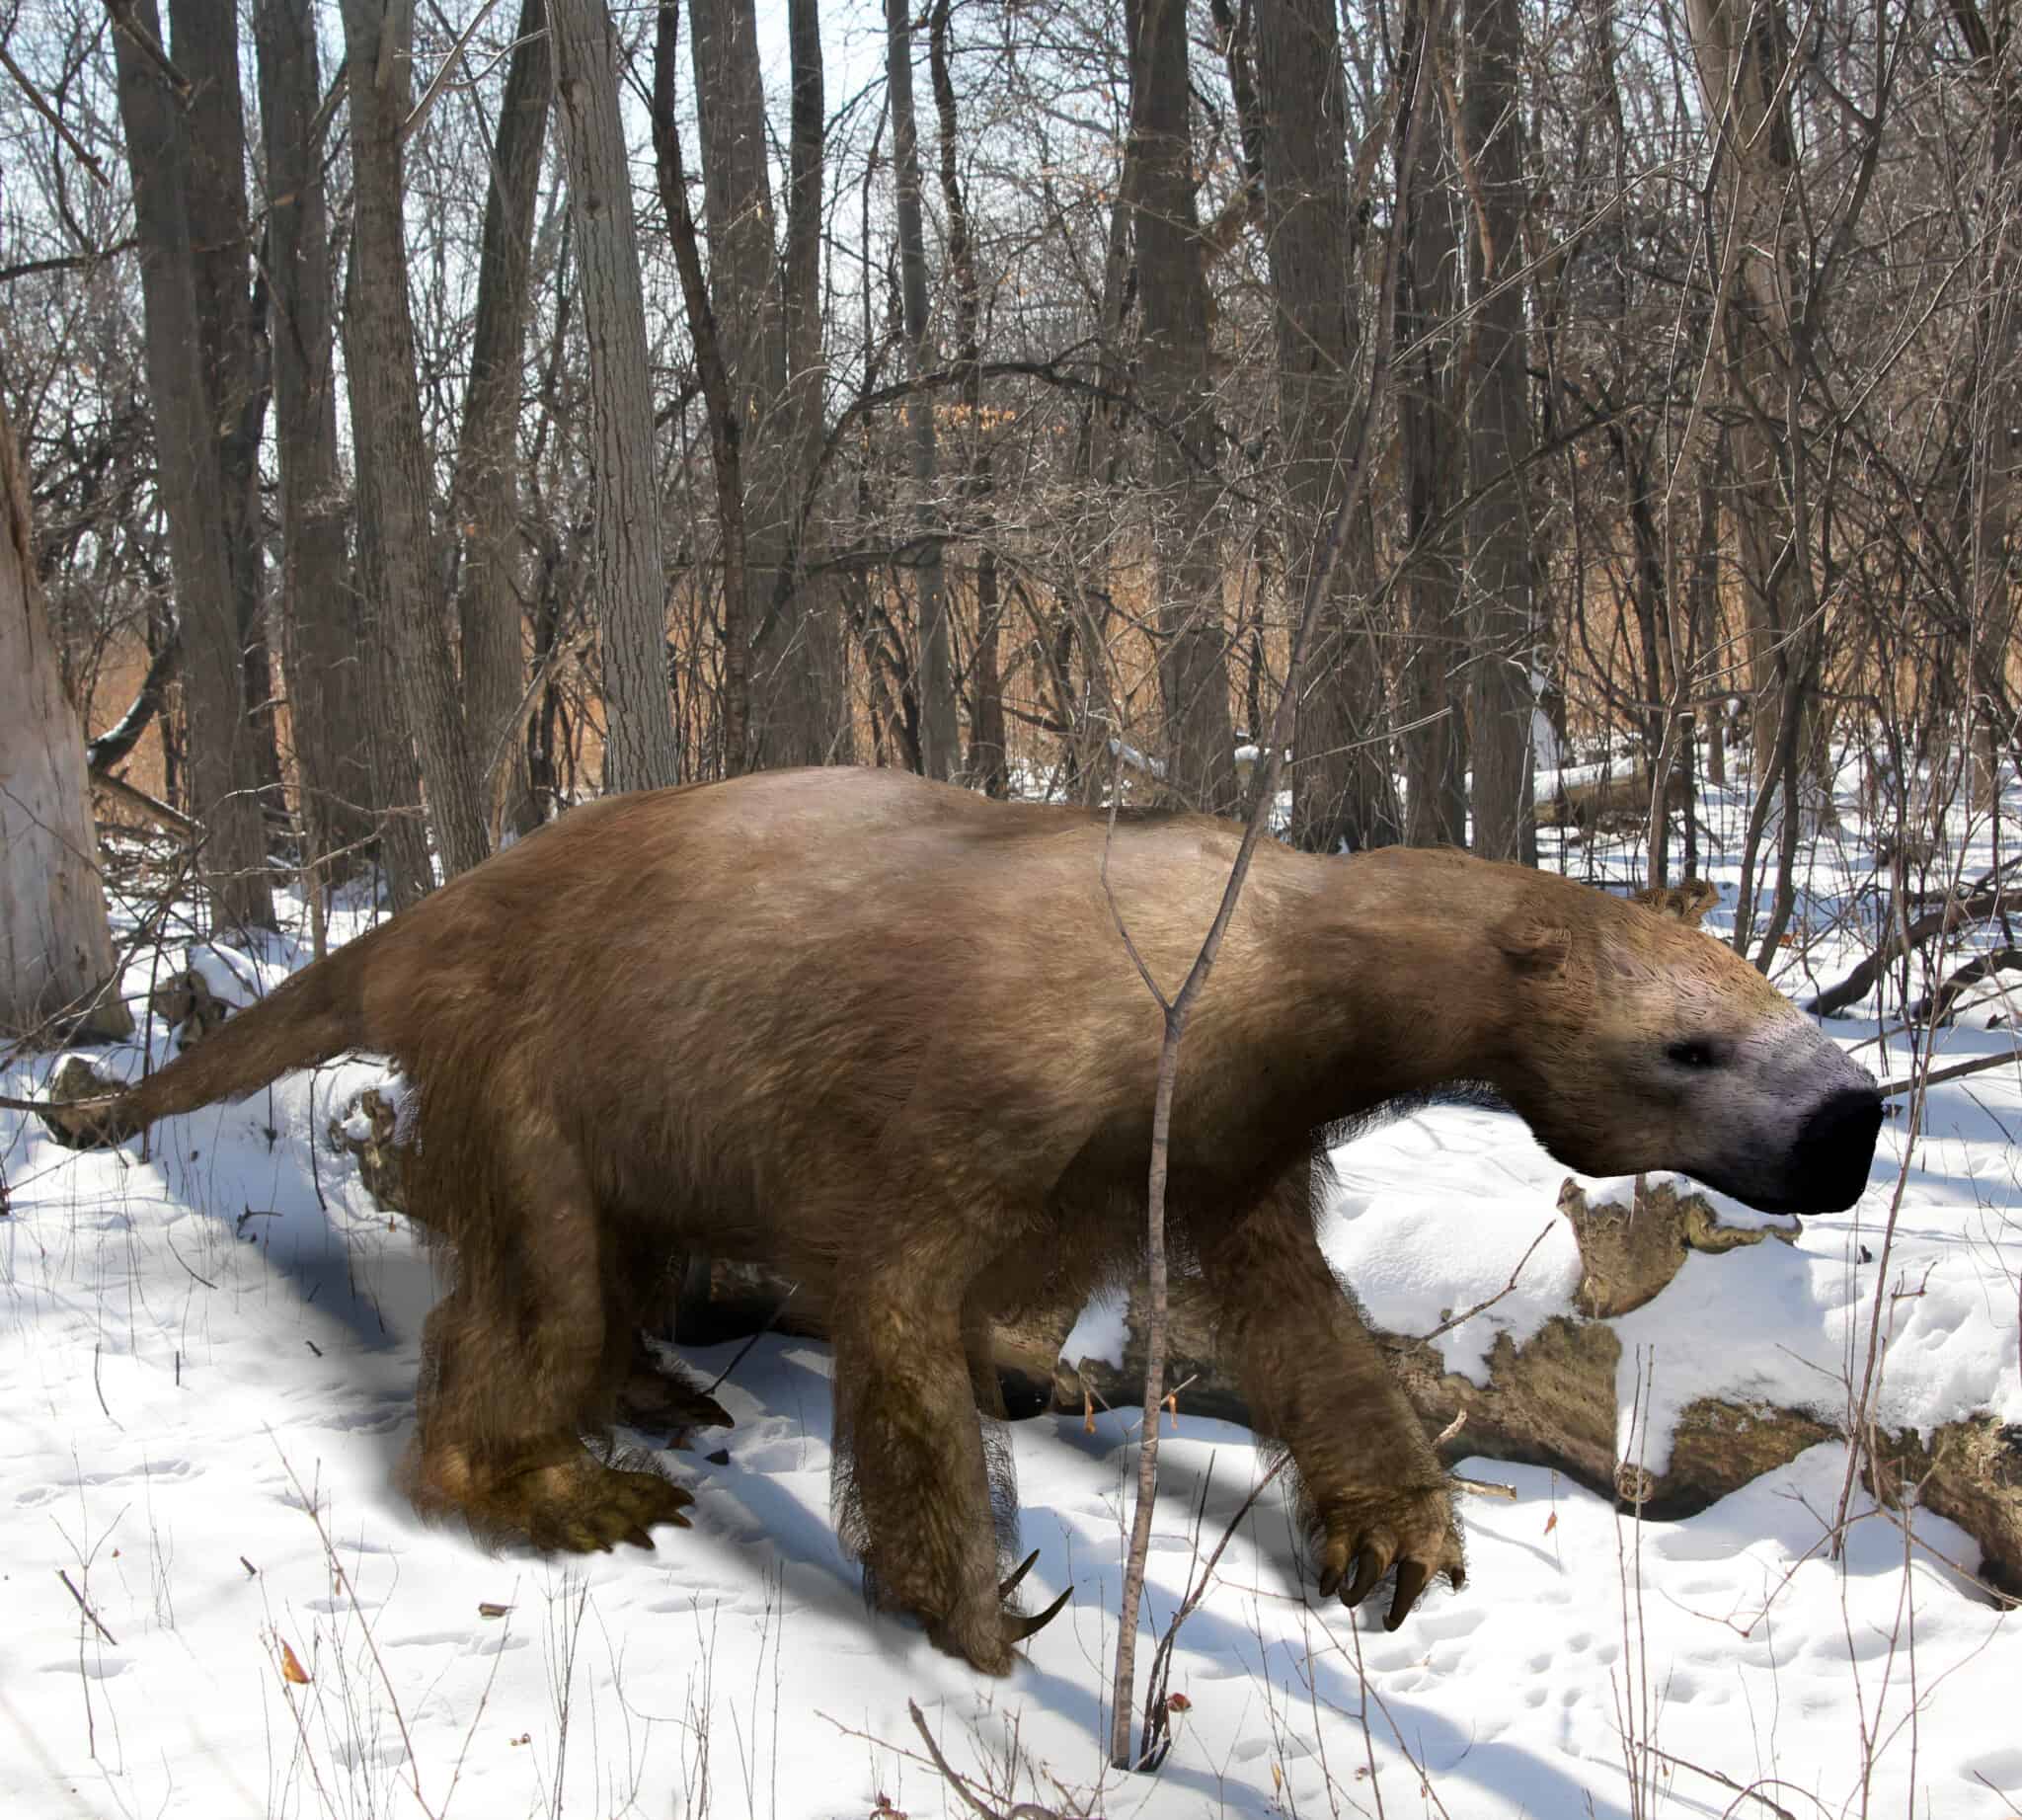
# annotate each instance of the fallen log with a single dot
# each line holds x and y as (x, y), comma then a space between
(1949, 916)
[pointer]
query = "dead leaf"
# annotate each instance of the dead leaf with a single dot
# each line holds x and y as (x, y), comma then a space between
(292, 1667)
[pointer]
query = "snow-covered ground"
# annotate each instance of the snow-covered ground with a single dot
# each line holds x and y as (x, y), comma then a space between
(213, 1601)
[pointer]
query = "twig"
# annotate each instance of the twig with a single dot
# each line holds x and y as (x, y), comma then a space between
(1892, 1089)
(64, 1575)
(441, 78)
(1447, 1326)
(1726, 1782)
(153, 807)
(38, 101)
(1155, 1712)
(948, 1770)
(765, 1328)
(205, 1281)
(149, 47)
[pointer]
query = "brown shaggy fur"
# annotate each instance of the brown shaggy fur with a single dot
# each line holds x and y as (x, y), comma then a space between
(883, 1034)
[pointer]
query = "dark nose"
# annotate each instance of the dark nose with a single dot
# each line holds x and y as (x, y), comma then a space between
(1828, 1165)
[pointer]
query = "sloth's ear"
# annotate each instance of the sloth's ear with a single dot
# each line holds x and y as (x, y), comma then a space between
(1687, 903)
(1538, 950)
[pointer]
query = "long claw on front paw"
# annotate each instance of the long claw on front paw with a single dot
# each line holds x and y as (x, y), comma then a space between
(1411, 1581)
(1008, 1586)
(1019, 1629)
(1372, 1563)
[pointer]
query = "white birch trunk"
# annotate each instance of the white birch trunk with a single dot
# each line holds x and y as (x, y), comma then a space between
(56, 949)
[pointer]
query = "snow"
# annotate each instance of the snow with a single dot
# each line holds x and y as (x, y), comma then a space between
(208, 1352)
(1099, 1333)
(1407, 1228)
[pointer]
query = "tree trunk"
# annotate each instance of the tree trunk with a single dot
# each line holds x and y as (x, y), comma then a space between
(490, 616)
(1501, 623)
(207, 50)
(792, 719)
(1342, 793)
(1176, 383)
(224, 778)
(1428, 295)
(322, 632)
(718, 397)
(1740, 48)
(56, 960)
(988, 763)
(941, 753)
(809, 614)
(406, 601)
(629, 584)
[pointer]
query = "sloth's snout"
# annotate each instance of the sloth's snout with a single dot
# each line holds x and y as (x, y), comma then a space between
(1828, 1164)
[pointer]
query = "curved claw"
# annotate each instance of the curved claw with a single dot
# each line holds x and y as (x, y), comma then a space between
(1017, 1629)
(1372, 1562)
(639, 1539)
(1411, 1581)
(1006, 1587)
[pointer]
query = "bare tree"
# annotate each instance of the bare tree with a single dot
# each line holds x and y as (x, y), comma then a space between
(988, 763)
(1435, 640)
(758, 312)
(323, 634)
(1342, 793)
(1498, 585)
(718, 396)
(489, 614)
(224, 774)
(640, 749)
(1176, 376)
(404, 593)
(940, 748)
(56, 958)
(1742, 50)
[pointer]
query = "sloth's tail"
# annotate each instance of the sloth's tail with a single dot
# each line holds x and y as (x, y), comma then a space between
(317, 1014)
(313, 1017)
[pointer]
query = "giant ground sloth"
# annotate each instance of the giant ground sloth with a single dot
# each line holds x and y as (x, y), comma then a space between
(885, 1034)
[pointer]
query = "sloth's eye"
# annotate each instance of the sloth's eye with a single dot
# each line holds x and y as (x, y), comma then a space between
(1692, 1054)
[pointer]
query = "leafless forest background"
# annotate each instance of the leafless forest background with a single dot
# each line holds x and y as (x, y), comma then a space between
(439, 410)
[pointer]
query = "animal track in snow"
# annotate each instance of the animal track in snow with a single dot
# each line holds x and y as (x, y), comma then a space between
(1450, 1624)
(93, 1668)
(2002, 1768)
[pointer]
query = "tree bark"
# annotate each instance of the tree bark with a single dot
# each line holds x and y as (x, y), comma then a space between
(1342, 793)
(56, 960)
(322, 631)
(719, 398)
(1176, 382)
(1740, 48)
(1428, 296)
(405, 605)
(940, 746)
(207, 50)
(795, 702)
(224, 779)
(807, 615)
(1501, 622)
(629, 584)
(489, 615)
(989, 761)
